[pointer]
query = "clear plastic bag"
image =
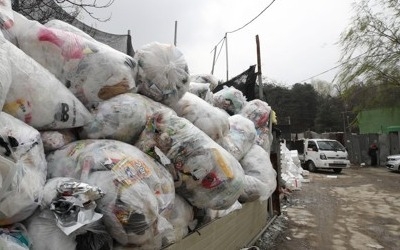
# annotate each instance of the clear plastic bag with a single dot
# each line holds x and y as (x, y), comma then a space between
(229, 99)
(91, 70)
(29, 98)
(260, 180)
(163, 73)
(5, 71)
(6, 15)
(209, 79)
(23, 169)
(241, 136)
(211, 120)
(205, 173)
(136, 187)
(121, 118)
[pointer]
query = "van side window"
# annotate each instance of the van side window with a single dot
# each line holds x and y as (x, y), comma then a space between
(312, 146)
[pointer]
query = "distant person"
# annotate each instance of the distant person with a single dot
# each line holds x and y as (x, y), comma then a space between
(372, 152)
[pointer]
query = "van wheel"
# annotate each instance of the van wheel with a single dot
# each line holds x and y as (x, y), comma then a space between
(337, 170)
(311, 166)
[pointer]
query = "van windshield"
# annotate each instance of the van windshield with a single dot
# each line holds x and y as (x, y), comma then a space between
(331, 145)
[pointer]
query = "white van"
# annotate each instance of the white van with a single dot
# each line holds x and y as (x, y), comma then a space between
(323, 154)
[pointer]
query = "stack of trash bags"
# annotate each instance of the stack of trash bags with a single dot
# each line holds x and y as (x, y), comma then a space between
(100, 150)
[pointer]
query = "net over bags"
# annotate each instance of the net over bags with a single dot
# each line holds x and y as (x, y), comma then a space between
(205, 173)
(121, 118)
(163, 73)
(22, 169)
(211, 120)
(241, 136)
(229, 99)
(92, 71)
(5, 71)
(205, 78)
(6, 14)
(136, 187)
(260, 181)
(32, 97)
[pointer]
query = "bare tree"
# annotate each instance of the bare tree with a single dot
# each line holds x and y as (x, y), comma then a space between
(66, 10)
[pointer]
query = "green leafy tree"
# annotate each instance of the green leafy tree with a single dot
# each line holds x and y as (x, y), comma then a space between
(371, 44)
(329, 117)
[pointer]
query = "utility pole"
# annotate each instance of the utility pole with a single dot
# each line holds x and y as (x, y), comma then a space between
(226, 49)
(259, 74)
(213, 64)
(176, 31)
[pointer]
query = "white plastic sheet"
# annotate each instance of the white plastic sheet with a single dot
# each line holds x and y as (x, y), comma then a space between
(205, 173)
(211, 120)
(163, 73)
(92, 71)
(32, 97)
(23, 169)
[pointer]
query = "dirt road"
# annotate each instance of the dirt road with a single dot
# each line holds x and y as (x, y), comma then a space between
(360, 209)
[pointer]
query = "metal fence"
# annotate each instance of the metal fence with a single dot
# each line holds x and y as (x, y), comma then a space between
(357, 146)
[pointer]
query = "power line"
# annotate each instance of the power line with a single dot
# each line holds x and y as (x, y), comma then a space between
(252, 20)
(337, 66)
(269, 5)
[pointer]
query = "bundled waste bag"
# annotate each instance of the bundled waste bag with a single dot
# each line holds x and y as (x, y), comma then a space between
(241, 136)
(121, 118)
(229, 99)
(5, 71)
(202, 90)
(67, 218)
(163, 73)
(23, 170)
(14, 237)
(209, 79)
(46, 235)
(92, 71)
(260, 179)
(29, 100)
(181, 217)
(137, 188)
(205, 173)
(55, 139)
(257, 111)
(6, 15)
(211, 120)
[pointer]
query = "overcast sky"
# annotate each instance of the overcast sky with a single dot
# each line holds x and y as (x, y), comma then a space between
(298, 38)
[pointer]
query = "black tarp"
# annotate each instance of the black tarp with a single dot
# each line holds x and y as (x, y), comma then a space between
(245, 82)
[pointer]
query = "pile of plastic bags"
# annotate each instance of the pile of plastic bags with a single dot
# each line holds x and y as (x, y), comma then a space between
(100, 150)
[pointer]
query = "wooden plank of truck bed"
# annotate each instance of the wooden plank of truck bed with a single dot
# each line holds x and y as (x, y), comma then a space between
(233, 231)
